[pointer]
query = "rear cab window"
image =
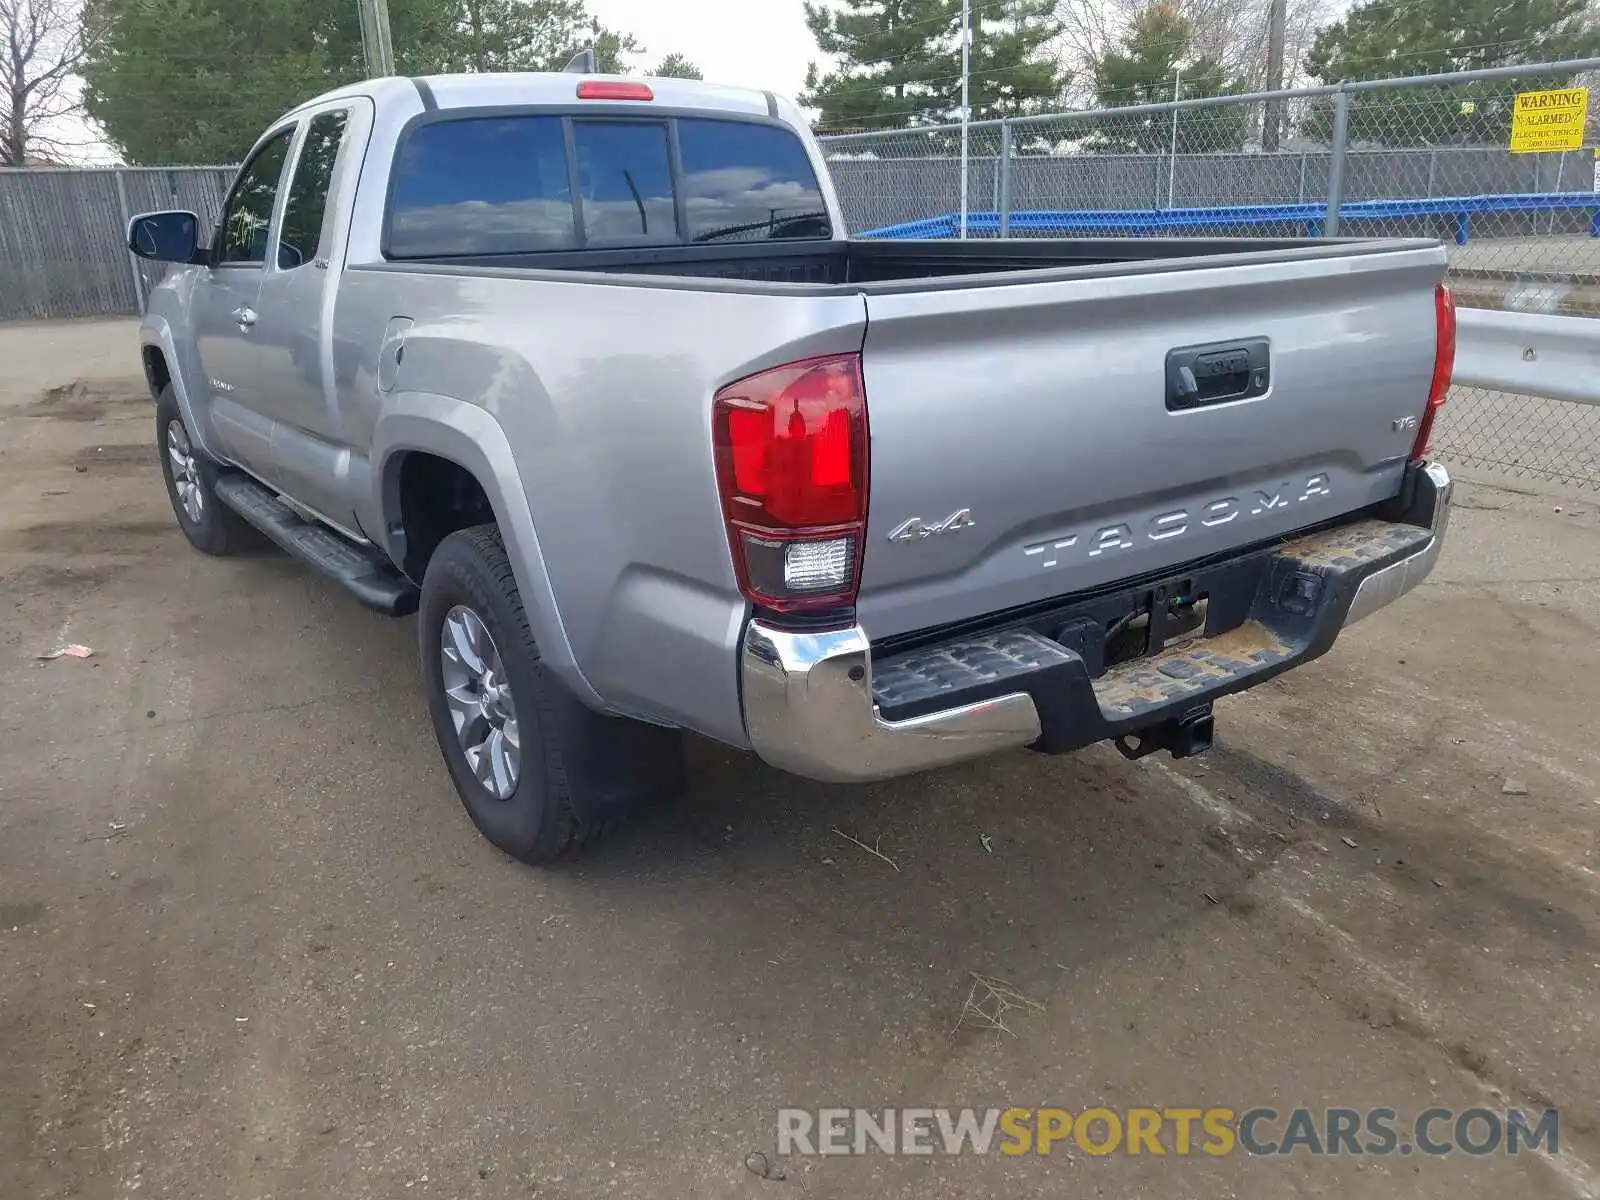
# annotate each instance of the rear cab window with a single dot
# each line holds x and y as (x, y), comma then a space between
(625, 179)
(495, 185)
(480, 184)
(748, 183)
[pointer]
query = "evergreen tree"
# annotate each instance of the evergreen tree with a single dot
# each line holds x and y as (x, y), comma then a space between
(900, 61)
(1388, 38)
(1013, 72)
(196, 81)
(676, 66)
(893, 64)
(529, 35)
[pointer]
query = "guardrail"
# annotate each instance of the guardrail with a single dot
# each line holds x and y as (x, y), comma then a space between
(1307, 217)
(1529, 354)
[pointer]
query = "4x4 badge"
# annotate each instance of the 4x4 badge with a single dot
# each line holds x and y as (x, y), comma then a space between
(916, 529)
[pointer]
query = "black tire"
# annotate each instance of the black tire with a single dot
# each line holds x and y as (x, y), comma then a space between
(580, 771)
(217, 529)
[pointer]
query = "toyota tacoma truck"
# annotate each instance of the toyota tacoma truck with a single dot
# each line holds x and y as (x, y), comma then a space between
(586, 373)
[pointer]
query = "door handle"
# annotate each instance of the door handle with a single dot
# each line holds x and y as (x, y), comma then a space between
(246, 317)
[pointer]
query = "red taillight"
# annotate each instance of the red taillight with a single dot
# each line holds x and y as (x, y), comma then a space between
(1444, 363)
(614, 89)
(791, 451)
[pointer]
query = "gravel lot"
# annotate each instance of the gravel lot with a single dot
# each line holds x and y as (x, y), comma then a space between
(250, 946)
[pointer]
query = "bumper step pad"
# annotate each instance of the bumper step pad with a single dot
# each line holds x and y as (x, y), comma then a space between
(1359, 544)
(1187, 671)
(919, 677)
(1303, 591)
(1196, 667)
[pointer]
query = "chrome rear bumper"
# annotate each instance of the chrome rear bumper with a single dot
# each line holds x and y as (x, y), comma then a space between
(808, 709)
(809, 704)
(1386, 585)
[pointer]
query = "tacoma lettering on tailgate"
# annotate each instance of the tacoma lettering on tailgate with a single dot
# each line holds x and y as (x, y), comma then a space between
(1175, 523)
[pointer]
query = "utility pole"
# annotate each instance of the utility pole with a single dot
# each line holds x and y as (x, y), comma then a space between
(1277, 16)
(376, 43)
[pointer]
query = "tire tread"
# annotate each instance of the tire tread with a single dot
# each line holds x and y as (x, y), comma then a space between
(574, 745)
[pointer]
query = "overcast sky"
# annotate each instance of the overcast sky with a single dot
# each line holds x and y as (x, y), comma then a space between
(748, 43)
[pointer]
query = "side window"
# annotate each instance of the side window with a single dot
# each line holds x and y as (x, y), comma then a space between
(301, 239)
(484, 185)
(248, 217)
(748, 183)
(625, 175)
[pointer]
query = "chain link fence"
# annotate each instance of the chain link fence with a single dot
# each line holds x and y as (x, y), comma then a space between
(1428, 157)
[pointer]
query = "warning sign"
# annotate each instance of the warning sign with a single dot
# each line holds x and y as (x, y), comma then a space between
(1543, 122)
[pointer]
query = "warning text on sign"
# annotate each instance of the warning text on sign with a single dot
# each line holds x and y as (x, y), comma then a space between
(1543, 122)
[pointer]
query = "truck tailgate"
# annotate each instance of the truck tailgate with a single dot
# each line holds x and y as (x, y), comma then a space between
(1039, 437)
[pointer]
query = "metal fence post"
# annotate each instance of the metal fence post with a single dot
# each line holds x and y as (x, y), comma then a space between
(1561, 168)
(1004, 204)
(133, 263)
(1172, 158)
(1341, 142)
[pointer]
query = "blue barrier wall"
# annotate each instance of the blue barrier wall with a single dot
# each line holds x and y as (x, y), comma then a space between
(1303, 218)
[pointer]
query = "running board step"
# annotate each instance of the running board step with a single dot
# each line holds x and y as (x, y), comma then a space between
(361, 570)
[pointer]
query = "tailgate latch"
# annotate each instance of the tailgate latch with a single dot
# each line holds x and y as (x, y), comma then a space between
(1217, 373)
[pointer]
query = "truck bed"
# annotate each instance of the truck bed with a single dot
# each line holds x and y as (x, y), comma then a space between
(868, 261)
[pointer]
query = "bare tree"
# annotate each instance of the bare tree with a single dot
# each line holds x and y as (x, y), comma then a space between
(1233, 32)
(42, 45)
(1088, 29)
(1239, 33)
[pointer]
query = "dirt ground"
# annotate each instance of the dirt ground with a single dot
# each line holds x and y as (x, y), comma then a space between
(250, 946)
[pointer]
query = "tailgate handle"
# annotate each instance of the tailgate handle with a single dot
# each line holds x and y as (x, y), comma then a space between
(1221, 371)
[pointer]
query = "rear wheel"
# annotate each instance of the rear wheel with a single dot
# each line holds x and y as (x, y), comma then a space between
(210, 526)
(537, 771)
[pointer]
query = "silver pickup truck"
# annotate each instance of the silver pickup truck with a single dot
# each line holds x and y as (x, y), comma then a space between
(585, 372)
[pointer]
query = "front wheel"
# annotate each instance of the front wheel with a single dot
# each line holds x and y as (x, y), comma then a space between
(537, 771)
(210, 526)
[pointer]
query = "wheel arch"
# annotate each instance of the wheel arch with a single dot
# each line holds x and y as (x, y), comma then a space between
(164, 367)
(157, 373)
(427, 428)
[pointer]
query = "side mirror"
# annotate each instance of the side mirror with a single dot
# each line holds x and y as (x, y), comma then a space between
(166, 237)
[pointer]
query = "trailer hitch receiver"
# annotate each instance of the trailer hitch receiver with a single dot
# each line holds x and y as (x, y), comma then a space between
(1184, 736)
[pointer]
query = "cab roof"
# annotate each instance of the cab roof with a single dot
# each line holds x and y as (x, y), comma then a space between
(555, 87)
